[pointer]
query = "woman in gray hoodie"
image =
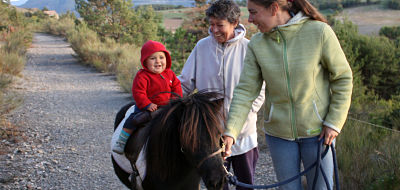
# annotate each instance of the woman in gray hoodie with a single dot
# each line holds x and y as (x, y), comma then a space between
(215, 64)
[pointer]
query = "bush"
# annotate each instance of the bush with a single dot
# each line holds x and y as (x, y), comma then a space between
(17, 42)
(394, 4)
(375, 60)
(180, 44)
(59, 27)
(390, 32)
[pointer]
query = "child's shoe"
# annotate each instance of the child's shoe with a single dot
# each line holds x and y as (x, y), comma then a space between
(119, 146)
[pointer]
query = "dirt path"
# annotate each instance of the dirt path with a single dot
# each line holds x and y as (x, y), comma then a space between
(68, 116)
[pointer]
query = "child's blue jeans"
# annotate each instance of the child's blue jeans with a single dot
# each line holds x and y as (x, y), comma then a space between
(128, 122)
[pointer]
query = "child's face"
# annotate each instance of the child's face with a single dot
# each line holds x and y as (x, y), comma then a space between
(156, 62)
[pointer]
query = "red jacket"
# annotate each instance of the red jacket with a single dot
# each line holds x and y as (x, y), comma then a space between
(154, 88)
(147, 87)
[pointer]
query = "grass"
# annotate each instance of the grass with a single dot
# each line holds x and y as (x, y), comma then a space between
(368, 157)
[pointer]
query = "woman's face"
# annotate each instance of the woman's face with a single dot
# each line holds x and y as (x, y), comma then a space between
(222, 30)
(260, 16)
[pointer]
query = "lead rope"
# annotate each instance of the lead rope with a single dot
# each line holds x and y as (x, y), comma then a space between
(233, 179)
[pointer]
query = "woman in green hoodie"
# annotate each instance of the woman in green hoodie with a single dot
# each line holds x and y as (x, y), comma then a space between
(308, 86)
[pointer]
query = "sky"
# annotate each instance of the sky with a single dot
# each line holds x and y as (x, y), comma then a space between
(18, 2)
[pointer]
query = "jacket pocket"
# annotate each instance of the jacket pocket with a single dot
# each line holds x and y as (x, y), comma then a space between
(278, 122)
(316, 111)
(309, 118)
(271, 110)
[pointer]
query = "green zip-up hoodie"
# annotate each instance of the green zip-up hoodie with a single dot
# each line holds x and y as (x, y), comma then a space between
(308, 80)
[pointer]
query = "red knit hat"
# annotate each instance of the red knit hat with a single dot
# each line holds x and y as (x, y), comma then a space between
(151, 47)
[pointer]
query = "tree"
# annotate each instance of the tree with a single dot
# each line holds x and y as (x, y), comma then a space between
(119, 20)
(200, 3)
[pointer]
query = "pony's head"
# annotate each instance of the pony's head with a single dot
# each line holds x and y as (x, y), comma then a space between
(192, 127)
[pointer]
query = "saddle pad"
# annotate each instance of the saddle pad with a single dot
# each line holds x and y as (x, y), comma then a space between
(121, 160)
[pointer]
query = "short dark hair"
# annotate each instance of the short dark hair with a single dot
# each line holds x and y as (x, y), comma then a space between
(224, 9)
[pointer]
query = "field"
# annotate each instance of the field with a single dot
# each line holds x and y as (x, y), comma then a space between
(368, 18)
(174, 18)
(371, 18)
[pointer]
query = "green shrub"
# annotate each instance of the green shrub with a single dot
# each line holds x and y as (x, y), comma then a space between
(180, 45)
(394, 4)
(375, 60)
(390, 32)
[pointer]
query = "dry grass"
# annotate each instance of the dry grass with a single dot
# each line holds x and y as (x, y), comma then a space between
(368, 157)
(11, 63)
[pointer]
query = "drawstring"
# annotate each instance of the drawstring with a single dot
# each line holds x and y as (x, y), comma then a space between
(221, 65)
(278, 38)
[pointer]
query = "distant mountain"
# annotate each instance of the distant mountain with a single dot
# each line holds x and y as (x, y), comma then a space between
(62, 6)
(186, 3)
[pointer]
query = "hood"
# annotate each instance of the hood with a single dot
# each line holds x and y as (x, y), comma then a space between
(289, 29)
(240, 32)
(151, 47)
(295, 20)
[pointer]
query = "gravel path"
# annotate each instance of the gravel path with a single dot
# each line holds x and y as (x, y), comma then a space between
(68, 114)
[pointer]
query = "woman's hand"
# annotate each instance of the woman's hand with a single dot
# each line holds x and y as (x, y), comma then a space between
(329, 134)
(228, 144)
(152, 107)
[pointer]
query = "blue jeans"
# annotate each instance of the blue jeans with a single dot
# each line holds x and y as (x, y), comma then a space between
(287, 155)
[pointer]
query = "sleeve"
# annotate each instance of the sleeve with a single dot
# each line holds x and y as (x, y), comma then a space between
(139, 91)
(176, 85)
(340, 79)
(245, 93)
(187, 77)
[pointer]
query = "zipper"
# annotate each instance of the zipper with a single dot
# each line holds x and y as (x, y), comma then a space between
(165, 81)
(223, 78)
(286, 66)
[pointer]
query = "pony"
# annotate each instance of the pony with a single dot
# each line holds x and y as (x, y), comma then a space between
(183, 144)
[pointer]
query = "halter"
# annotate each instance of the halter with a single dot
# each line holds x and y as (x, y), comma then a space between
(222, 149)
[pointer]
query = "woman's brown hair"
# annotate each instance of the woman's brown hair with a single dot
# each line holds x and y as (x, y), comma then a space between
(294, 6)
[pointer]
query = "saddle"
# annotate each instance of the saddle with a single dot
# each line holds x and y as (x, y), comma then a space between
(133, 161)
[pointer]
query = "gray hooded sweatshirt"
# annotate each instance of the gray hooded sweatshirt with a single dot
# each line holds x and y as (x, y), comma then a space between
(217, 67)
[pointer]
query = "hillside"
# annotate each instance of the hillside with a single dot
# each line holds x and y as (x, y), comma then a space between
(62, 6)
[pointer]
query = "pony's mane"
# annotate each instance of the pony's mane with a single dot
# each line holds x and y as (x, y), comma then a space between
(177, 128)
